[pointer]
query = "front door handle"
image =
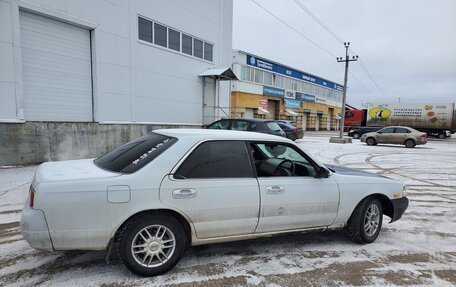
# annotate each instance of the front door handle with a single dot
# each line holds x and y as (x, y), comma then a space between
(275, 189)
(184, 193)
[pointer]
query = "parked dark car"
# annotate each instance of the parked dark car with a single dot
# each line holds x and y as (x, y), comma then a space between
(290, 130)
(356, 133)
(252, 125)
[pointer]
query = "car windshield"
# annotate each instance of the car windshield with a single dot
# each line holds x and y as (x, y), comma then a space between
(133, 155)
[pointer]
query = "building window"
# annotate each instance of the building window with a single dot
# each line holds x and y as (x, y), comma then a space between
(197, 48)
(187, 45)
(258, 76)
(245, 73)
(173, 40)
(145, 30)
(160, 35)
(207, 51)
(267, 79)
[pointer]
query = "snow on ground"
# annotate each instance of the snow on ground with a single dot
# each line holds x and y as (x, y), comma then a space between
(419, 249)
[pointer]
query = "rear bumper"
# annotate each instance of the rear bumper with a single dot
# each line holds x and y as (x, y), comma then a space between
(399, 207)
(34, 228)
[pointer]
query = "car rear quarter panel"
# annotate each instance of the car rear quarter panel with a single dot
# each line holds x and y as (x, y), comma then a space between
(353, 189)
(79, 214)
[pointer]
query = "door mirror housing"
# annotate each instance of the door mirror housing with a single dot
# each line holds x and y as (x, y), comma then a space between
(323, 172)
(380, 132)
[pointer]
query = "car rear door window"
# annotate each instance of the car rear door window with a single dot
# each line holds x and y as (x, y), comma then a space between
(217, 159)
(220, 125)
(401, 131)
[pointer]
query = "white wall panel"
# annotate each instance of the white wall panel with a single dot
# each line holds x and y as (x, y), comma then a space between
(56, 70)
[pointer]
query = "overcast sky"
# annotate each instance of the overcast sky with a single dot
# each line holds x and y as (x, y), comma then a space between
(408, 46)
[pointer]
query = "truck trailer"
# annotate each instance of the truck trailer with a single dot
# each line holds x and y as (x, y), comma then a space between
(435, 119)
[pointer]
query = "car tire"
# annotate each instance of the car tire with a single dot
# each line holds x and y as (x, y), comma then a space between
(365, 222)
(356, 136)
(442, 136)
(371, 141)
(159, 242)
(410, 143)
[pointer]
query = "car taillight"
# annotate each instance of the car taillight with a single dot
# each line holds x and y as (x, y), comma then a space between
(296, 131)
(423, 136)
(31, 196)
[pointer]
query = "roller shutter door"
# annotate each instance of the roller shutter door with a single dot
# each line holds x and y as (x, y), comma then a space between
(56, 70)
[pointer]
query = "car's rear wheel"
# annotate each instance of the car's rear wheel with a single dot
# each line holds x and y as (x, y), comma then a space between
(152, 244)
(409, 143)
(365, 223)
(442, 136)
(371, 141)
(356, 136)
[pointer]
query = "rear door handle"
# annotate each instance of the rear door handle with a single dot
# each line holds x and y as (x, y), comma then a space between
(275, 189)
(184, 193)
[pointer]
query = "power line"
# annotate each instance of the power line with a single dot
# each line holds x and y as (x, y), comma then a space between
(342, 42)
(319, 22)
(295, 30)
(361, 84)
(373, 80)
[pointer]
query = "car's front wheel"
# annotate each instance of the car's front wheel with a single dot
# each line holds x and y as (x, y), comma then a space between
(365, 223)
(356, 136)
(152, 244)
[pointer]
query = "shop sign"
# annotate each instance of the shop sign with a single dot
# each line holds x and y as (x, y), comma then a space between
(279, 69)
(273, 92)
(290, 95)
(305, 97)
(294, 104)
(320, 100)
(264, 102)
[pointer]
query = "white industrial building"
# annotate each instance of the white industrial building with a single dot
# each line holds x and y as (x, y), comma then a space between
(108, 66)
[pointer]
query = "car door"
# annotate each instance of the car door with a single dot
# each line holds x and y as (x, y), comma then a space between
(215, 187)
(400, 135)
(292, 201)
(385, 135)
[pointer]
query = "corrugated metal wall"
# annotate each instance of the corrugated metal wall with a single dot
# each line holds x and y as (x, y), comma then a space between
(56, 68)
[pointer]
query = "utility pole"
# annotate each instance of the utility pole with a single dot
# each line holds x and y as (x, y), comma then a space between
(344, 97)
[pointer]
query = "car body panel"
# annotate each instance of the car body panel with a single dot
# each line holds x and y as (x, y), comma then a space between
(80, 215)
(303, 202)
(392, 136)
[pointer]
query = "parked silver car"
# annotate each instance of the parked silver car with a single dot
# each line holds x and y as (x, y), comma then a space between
(395, 135)
(158, 194)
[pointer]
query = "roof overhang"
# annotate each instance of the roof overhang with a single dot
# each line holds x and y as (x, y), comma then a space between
(222, 74)
(292, 113)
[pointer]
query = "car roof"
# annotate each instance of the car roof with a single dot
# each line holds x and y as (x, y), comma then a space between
(249, 120)
(205, 134)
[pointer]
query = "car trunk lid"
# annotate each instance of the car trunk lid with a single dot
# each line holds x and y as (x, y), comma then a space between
(70, 170)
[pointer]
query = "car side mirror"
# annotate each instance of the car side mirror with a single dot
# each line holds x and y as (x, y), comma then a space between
(379, 132)
(322, 173)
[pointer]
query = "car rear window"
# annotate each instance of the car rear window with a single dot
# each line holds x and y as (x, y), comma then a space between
(273, 126)
(133, 155)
